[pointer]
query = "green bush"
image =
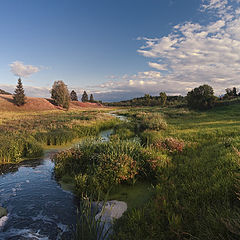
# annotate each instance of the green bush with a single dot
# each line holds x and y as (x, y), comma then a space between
(152, 121)
(149, 137)
(97, 166)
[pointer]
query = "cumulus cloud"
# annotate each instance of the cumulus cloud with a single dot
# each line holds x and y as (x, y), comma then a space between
(194, 54)
(29, 90)
(190, 55)
(21, 70)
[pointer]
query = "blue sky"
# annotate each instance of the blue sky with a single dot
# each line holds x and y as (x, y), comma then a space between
(119, 49)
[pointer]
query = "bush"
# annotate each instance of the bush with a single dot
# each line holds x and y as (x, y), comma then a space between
(153, 121)
(149, 137)
(170, 144)
(100, 165)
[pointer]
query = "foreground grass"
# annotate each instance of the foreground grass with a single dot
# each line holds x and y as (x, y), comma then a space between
(191, 158)
(196, 193)
(193, 162)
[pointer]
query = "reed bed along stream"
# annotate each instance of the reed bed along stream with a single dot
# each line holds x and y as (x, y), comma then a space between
(25, 135)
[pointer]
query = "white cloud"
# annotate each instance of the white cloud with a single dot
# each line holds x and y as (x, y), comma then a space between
(197, 54)
(21, 70)
(190, 55)
(29, 90)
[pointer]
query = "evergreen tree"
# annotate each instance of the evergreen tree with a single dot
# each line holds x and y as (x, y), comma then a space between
(19, 95)
(84, 97)
(73, 96)
(91, 98)
(60, 94)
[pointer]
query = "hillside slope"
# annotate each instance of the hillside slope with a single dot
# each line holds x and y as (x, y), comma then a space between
(38, 104)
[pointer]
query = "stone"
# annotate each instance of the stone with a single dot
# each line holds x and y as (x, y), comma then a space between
(111, 210)
(3, 212)
(107, 213)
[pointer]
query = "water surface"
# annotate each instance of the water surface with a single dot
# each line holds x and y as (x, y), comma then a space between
(37, 206)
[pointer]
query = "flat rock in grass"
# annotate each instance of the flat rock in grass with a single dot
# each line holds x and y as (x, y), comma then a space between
(110, 210)
(107, 213)
(3, 212)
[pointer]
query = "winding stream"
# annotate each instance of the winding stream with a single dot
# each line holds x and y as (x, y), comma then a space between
(38, 208)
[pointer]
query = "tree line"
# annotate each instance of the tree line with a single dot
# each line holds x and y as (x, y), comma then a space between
(59, 93)
(200, 98)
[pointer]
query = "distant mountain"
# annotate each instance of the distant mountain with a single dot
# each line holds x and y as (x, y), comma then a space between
(4, 92)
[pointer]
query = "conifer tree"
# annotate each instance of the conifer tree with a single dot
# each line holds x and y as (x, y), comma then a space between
(73, 96)
(19, 95)
(84, 97)
(91, 98)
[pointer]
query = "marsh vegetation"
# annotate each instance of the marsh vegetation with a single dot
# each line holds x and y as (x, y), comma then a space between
(176, 168)
(190, 158)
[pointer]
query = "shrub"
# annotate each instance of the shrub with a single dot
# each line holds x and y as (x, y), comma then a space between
(153, 121)
(170, 144)
(99, 165)
(149, 137)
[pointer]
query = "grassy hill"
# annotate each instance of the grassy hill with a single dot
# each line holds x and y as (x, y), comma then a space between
(38, 104)
(4, 92)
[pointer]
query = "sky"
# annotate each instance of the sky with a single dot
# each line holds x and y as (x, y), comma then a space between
(120, 49)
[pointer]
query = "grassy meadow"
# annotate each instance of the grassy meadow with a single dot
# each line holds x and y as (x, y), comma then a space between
(177, 169)
(26, 134)
(191, 160)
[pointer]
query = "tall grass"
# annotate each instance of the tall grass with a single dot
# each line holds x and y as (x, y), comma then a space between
(16, 147)
(88, 227)
(25, 135)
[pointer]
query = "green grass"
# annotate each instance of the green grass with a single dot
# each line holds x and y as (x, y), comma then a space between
(134, 195)
(196, 191)
(191, 158)
(26, 135)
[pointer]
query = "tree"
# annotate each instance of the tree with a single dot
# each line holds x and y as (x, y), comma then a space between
(60, 94)
(235, 92)
(19, 95)
(201, 98)
(73, 96)
(163, 98)
(84, 97)
(230, 93)
(147, 99)
(91, 98)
